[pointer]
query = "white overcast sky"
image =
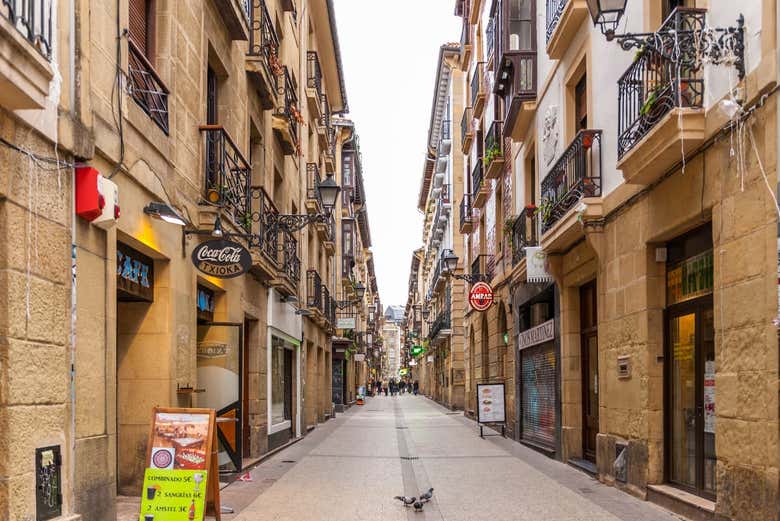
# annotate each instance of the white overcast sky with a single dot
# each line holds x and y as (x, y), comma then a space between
(389, 52)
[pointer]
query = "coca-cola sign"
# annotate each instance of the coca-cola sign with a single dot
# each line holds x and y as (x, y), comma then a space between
(222, 259)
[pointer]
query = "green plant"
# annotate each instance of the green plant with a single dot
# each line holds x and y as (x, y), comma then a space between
(544, 210)
(491, 153)
(652, 97)
(246, 220)
(509, 225)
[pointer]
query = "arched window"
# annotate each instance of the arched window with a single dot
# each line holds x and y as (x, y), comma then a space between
(485, 350)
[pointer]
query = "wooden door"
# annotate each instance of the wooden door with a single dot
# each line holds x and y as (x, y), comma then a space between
(589, 361)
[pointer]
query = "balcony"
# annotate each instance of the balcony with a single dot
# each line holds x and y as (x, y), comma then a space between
(466, 43)
(236, 14)
(265, 263)
(347, 263)
(574, 177)
(314, 83)
(524, 233)
(440, 218)
(262, 62)
(330, 242)
(324, 123)
(490, 39)
(314, 291)
(481, 190)
(146, 87)
(290, 262)
(227, 176)
(441, 327)
(516, 82)
(564, 18)
(466, 216)
(660, 107)
(445, 141)
(494, 151)
(313, 179)
(483, 265)
(287, 116)
(466, 130)
(478, 89)
(330, 151)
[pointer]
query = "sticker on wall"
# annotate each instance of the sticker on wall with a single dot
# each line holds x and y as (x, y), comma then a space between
(162, 457)
(221, 259)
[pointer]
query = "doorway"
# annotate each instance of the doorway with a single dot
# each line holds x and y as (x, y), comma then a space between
(220, 353)
(690, 349)
(589, 362)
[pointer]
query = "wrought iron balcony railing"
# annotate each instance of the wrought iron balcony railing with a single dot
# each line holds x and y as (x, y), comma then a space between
(484, 265)
(466, 128)
(442, 323)
(494, 143)
(290, 109)
(445, 130)
(465, 210)
(575, 175)
(477, 82)
(313, 180)
(228, 176)
(313, 72)
(654, 85)
(270, 235)
(524, 233)
(476, 177)
(554, 12)
(313, 290)
(263, 40)
(490, 36)
(146, 87)
(291, 264)
(327, 302)
(325, 118)
(33, 20)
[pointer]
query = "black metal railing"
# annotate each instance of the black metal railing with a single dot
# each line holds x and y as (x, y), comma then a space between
(326, 303)
(494, 143)
(325, 118)
(465, 210)
(575, 175)
(524, 233)
(466, 125)
(477, 83)
(290, 109)
(263, 206)
(313, 180)
(33, 20)
(654, 85)
(332, 229)
(313, 290)
(445, 130)
(441, 323)
(146, 87)
(263, 40)
(476, 177)
(313, 72)
(554, 12)
(490, 36)
(228, 176)
(291, 264)
(483, 264)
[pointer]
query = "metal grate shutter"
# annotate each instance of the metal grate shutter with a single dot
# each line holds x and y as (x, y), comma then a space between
(538, 394)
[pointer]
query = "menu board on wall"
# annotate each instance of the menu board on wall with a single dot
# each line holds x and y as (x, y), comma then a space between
(491, 404)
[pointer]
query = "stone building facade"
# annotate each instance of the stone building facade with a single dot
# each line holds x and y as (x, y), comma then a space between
(204, 119)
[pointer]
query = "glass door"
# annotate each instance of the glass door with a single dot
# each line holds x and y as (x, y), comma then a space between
(691, 457)
(219, 353)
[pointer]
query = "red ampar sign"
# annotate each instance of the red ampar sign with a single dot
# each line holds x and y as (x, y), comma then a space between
(481, 296)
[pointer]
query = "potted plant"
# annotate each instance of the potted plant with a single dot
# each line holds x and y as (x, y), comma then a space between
(545, 209)
(509, 225)
(490, 154)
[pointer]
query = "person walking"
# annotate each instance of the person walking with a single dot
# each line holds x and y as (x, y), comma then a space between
(416, 387)
(385, 387)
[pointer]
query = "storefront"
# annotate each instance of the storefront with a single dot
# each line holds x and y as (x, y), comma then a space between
(690, 371)
(537, 367)
(339, 374)
(284, 363)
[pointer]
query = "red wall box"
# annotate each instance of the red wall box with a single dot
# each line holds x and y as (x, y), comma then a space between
(89, 200)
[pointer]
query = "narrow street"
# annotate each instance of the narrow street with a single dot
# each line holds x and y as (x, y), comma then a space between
(353, 466)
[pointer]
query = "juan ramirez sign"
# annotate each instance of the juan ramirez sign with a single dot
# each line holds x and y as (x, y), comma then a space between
(222, 259)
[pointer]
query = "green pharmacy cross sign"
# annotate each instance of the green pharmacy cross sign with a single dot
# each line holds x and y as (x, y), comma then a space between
(417, 350)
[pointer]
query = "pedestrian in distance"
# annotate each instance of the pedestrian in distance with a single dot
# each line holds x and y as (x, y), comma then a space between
(416, 387)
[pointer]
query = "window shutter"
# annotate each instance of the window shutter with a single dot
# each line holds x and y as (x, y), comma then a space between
(139, 25)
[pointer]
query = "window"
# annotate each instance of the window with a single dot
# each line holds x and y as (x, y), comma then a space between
(141, 26)
(671, 5)
(581, 104)
(211, 97)
(280, 373)
(521, 25)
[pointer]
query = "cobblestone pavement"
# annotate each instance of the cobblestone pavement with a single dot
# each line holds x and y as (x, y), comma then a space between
(351, 467)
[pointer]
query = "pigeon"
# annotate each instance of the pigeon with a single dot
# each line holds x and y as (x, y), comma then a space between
(418, 506)
(426, 496)
(406, 500)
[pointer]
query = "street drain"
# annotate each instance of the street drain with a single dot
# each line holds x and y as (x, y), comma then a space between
(586, 490)
(399, 428)
(409, 457)
(288, 461)
(453, 414)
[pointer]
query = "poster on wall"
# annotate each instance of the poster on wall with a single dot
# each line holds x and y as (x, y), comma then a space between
(709, 396)
(491, 405)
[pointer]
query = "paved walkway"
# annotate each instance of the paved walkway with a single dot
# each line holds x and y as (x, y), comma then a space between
(350, 469)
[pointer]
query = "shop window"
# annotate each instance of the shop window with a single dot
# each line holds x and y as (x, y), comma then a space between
(281, 382)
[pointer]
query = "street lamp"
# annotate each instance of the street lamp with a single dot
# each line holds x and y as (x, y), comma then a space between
(328, 191)
(450, 263)
(360, 291)
(685, 42)
(426, 312)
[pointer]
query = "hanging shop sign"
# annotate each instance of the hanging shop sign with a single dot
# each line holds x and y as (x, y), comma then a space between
(690, 279)
(536, 335)
(536, 265)
(134, 275)
(417, 350)
(345, 323)
(221, 259)
(481, 296)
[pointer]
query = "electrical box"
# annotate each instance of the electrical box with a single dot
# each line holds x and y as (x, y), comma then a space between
(89, 201)
(110, 213)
